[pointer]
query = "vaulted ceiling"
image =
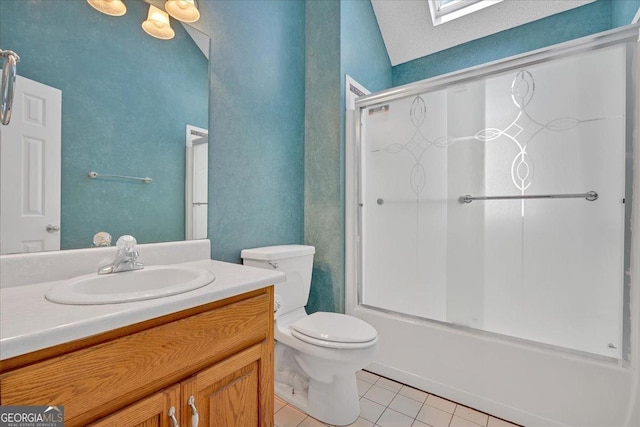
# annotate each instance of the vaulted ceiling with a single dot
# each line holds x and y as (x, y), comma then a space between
(409, 33)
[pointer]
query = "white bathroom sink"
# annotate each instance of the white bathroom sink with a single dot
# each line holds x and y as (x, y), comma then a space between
(148, 283)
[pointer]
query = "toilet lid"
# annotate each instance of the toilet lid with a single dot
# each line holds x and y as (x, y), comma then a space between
(335, 327)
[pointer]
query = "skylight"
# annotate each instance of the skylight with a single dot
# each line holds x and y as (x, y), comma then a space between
(446, 10)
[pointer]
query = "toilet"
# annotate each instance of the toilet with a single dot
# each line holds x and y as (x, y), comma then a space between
(316, 355)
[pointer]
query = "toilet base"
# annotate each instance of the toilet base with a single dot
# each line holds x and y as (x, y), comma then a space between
(333, 403)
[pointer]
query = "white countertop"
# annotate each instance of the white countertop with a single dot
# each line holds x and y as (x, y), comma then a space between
(29, 322)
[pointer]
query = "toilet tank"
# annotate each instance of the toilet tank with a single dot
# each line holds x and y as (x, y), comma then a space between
(296, 261)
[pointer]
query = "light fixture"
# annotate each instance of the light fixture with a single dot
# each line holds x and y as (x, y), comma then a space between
(183, 10)
(109, 7)
(157, 24)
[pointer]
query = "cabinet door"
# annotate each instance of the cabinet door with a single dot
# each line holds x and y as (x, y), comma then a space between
(234, 392)
(152, 411)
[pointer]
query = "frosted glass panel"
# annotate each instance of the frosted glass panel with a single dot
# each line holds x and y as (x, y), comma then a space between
(542, 269)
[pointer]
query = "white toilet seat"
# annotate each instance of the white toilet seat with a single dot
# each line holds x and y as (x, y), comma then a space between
(332, 344)
(334, 330)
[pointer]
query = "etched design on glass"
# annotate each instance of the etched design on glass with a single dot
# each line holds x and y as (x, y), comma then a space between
(524, 128)
(417, 145)
(520, 131)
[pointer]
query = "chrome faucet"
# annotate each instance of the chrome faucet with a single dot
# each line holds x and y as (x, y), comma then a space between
(126, 258)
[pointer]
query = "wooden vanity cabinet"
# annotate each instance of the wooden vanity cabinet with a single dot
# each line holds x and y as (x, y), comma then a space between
(220, 353)
(151, 411)
(228, 394)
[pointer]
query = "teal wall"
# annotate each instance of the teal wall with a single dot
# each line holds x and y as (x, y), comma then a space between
(582, 21)
(363, 54)
(341, 38)
(126, 98)
(623, 12)
(256, 132)
(324, 227)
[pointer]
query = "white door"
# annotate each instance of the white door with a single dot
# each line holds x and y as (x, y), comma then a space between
(30, 170)
(196, 188)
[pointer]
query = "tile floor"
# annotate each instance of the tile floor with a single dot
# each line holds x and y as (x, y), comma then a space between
(386, 403)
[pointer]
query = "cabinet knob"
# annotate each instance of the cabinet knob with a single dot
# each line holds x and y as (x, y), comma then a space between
(194, 412)
(172, 415)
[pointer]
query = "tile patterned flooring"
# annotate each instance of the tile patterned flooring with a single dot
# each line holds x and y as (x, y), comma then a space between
(386, 403)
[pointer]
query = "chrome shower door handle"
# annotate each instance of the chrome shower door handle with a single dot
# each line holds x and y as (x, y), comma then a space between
(8, 84)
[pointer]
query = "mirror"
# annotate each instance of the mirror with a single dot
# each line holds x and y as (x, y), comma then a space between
(127, 99)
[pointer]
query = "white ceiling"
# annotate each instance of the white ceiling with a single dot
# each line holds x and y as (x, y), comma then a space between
(408, 31)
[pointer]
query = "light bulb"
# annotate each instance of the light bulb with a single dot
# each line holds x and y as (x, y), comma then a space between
(109, 7)
(182, 10)
(157, 24)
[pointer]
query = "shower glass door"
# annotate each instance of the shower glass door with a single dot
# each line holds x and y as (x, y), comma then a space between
(537, 249)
